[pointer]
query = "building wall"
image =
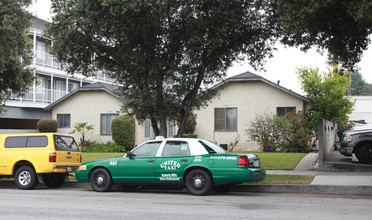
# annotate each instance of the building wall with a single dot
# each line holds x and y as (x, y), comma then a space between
(250, 99)
(88, 107)
(362, 108)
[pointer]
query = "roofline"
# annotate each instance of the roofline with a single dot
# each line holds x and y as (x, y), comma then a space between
(259, 78)
(81, 89)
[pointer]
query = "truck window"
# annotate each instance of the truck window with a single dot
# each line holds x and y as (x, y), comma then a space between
(26, 141)
(65, 143)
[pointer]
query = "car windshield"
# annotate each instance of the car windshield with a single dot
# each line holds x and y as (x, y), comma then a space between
(212, 148)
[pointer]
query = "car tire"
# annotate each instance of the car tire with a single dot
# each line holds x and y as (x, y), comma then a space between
(100, 180)
(364, 154)
(54, 181)
(198, 182)
(25, 177)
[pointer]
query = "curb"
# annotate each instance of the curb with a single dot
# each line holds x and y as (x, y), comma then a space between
(254, 188)
(309, 189)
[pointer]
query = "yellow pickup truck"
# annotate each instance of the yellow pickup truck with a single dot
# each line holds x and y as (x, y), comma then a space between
(38, 157)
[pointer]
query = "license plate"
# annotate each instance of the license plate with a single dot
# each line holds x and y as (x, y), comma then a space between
(68, 169)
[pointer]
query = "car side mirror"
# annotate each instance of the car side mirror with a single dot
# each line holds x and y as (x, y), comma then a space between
(129, 154)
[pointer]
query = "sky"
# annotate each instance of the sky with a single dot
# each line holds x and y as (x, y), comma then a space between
(282, 66)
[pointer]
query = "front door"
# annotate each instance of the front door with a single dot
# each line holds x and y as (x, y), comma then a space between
(140, 167)
(174, 159)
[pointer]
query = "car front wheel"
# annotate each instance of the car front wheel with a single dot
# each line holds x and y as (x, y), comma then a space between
(198, 182)
(100, 180)
(25, 177)
(364, 154)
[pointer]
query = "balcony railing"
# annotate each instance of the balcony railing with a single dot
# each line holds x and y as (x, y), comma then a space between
(46, 60)
(41, 95)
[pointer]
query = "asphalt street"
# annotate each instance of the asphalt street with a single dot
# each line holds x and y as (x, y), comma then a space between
(83, 203)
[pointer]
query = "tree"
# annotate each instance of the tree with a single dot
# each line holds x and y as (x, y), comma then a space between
(15, 48)
(165, 53)
(359, 86)
(340, 26)
(326, 93)
(82, 128)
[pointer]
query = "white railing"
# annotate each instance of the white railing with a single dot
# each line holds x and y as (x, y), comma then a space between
(41, 95)
(46, 60)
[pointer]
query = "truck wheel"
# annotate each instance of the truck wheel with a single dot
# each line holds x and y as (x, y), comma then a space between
(364, 154)
(25, 177)
(54, 180)
(198, 182)
(100, 180)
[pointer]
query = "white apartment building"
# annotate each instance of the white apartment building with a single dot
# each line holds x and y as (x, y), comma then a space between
(51, 83)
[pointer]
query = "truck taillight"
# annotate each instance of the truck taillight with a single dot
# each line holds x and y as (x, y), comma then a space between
(243, 161)
(81, 158)
(52, 157)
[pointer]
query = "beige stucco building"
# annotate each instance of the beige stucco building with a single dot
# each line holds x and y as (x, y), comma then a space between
(97, 104)
(240, 99)
(228, 115)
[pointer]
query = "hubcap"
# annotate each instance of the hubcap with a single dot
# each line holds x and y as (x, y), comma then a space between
(24, 178)
(198, 182)
(99, 180)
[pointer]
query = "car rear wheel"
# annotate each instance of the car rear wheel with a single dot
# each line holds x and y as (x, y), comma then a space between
(25, 177)
(54, 180)
(100, 180)
(198, 182)
(364, 154)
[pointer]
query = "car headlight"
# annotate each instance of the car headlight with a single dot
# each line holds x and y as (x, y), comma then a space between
(348, 137)
(82, 167)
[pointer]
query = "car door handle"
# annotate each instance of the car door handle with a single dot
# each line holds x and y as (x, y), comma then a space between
(68, 152)
(150, 161)
(184, 160)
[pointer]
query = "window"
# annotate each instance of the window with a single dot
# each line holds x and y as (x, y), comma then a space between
(65, 143)
(171, 128)
(176, 148)
(225, 119)
(148, 128)
(26, 141)
(40, 50)
(63, 120)
(212, 148)
(106, 120)
(281, 111)
(147, 149)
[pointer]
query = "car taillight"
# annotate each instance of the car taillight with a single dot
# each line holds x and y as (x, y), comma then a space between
(52, 157)
(81, 158)
(243, 161)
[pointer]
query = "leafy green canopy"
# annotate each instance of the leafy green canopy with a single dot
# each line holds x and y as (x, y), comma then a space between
(165, 53)
(340, 26)
(15, 48)
(359, 86)
(327, 95)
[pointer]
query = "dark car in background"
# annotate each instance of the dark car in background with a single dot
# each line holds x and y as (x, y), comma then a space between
(358, 141)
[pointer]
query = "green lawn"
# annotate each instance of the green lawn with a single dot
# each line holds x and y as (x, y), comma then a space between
(88, 156)
(280, 161)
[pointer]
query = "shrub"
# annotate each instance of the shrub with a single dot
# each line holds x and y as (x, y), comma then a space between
(123, 131)
(297, 136)
(103, 148)
(190, 124)
(47, 125)
(190, 135)
(268, 130)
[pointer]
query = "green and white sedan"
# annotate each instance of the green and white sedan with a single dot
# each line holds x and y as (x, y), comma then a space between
(198, 164)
